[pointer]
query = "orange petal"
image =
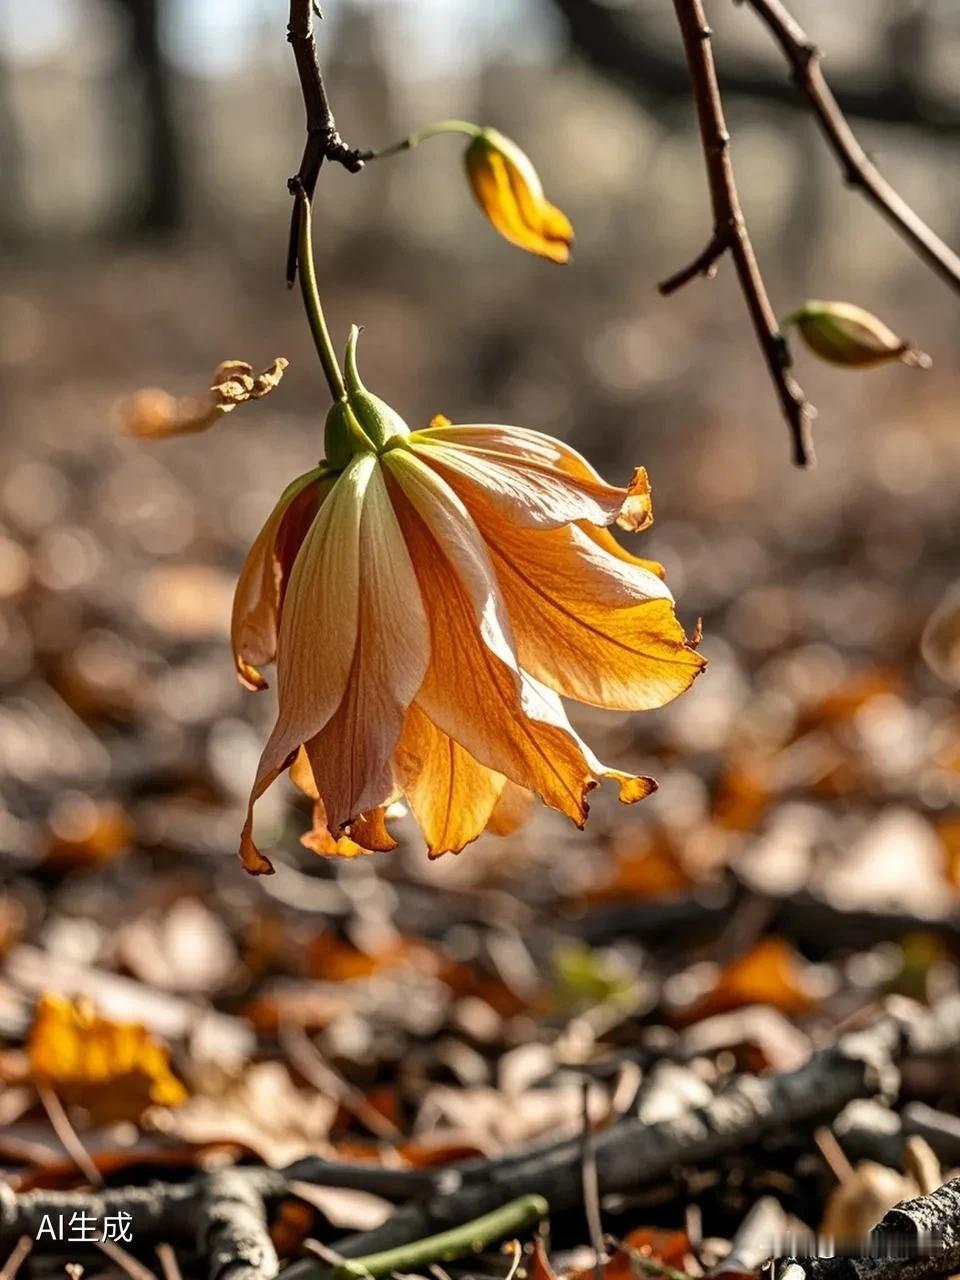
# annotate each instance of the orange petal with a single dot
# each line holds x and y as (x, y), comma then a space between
(367, 834)
(253, 629)
(536, 494)
(589, 625)
(318, 635)
(551, 227)
(351, 755)
(451, 795)
(473, 691)
(511, 810)
(510, 195)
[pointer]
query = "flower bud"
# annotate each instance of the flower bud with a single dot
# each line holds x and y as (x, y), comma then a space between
(847, 335)
(377, 420)
(509, 192)
(343, 437)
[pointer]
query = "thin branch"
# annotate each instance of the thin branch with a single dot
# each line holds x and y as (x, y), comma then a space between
(858, 169)
(65, 1131)
(730, 232)
(323, 139)
(591, 1185)
(171, 1211)
(466, 1238)
(620, 42)
(639, 1153)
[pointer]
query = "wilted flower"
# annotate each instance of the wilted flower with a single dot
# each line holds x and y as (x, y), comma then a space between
(848, 335)
(427, 602)
(509, 192)
(154, 414)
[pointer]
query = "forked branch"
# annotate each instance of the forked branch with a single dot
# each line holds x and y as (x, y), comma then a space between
(323, 139)
(730, 234)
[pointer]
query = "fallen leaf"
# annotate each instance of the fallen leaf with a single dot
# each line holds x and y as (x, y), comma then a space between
(671, 1248)
(860, 1201)
(257, 1107)
(114, 1070)
(186, 948)
(771, 973)
(81, 830)
(642, 869)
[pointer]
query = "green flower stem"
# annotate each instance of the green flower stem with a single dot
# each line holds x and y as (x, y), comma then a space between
(311, 301)
(470, 1238)
(421, 135)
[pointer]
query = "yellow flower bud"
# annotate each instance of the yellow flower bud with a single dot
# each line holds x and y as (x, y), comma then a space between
(509, 192)
(847, 335)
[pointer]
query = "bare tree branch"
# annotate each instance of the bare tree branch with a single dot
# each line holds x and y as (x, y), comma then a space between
(858, 169)
(323, 139)
(618, 42)
(730, 232)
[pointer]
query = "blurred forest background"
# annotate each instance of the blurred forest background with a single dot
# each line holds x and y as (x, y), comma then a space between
(144, 150)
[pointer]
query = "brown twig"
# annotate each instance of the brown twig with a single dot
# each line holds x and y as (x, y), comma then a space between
(638, 1153)
(18, 1254)
(65, 1131)
(170, 1211)
(859, 171)
(591, 1184)
(323, 139)
(730, 234)
(917, 1240)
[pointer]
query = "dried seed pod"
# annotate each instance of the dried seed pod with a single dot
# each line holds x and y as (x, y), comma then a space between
(847, 335)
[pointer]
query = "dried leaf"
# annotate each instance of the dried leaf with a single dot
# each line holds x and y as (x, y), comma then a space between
(771, 973)
(153, 414)
(259, 1108)
(671, 1248)
(115, 1070)
(860, 1201)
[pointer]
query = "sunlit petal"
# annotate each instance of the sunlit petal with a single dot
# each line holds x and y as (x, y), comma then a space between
(351, 755)
(589, 625)
(452, 796)
(253, 629)
(318, 634)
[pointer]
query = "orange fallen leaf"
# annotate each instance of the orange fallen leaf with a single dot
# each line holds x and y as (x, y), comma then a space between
(742, 797)
(331, 959)
(771, 973)
(85, 831)
(642, 869)
(847, 697)
(948, 833)
(115, 1070)
(671, 1248)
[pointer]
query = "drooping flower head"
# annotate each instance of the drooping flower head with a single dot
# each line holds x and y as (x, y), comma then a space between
(429, 597)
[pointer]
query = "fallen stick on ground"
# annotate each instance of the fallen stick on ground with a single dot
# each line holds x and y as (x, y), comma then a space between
(630, 1155)
(172, 1211)
(633, 1154)
(916, 1240)
(234, 1234)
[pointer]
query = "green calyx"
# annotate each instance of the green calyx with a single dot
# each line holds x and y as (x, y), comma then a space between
(359, 421)
(343, 436)
(379, 423)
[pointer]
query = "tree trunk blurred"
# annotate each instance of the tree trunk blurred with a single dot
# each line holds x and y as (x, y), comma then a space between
(159, 209)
